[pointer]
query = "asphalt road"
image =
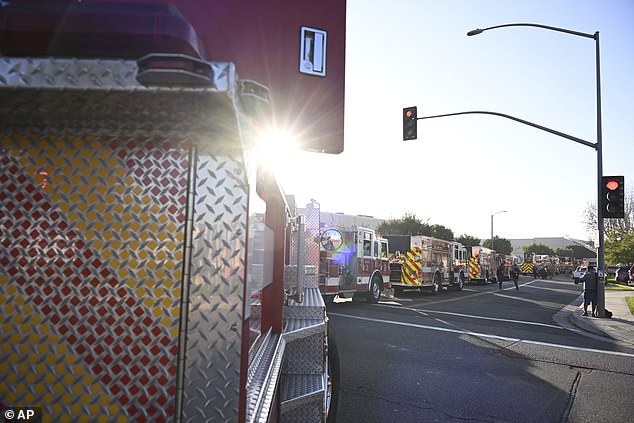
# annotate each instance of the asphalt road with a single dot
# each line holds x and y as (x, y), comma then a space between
(480, 355)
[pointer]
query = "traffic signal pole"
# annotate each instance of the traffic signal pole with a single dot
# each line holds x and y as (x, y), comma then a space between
(600, 227)
(598, 146)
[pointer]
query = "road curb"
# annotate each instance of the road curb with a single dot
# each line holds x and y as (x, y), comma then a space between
(582, 322)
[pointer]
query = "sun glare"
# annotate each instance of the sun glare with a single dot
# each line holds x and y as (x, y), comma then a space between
(277, 149)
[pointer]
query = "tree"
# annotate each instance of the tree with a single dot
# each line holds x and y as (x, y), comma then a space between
(540, 249)
(619, 233)
(468, 240)
(564, 252)
(409, 224)
(612, 226)
(442, 232)
(581, 252)
(620, 248)
(502, 245)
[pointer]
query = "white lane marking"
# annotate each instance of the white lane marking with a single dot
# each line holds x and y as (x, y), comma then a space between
(497, 319)
(528, 300)
(483, 335)
(565, 291)
(471, 316)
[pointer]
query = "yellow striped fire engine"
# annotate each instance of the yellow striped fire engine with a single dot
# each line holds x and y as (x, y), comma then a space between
(482, 264)
(424, 262)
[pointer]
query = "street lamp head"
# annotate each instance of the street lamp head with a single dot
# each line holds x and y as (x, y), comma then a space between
(475, 32)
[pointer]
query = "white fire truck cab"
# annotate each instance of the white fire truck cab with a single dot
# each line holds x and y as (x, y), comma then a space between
(426, 263)
(354, 262)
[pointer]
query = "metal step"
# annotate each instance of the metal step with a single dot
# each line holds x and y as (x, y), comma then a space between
(301, 328)
(302, 381)
(312, 307)
(302, 398)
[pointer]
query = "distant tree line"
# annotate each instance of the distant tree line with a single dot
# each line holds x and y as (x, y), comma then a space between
(576, 251)
(410, 224)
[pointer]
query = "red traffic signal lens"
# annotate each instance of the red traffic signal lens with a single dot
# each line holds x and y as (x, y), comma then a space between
(612, 184)
(408, 114)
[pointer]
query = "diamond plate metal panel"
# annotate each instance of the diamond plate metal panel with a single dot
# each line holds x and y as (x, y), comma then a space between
(311, 250)
(312, 240)
(311, 412)
(312, 307)
(103, 96)
(212, 373)
(91, 250)
(88, 73)
(305, 356)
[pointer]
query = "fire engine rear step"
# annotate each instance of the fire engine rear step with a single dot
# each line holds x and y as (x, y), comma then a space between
(301, 389)
(303, 375)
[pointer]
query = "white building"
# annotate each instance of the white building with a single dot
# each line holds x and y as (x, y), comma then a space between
(554, 243)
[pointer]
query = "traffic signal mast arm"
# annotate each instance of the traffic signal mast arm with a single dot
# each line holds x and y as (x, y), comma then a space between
(525, 122)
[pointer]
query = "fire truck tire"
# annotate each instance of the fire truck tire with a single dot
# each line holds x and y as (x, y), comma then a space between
(329, 299)
(375, 289)
(398, 290)
(460, 283)
(332, 398)
(436, 288)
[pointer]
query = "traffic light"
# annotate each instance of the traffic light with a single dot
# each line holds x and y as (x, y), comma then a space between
(613, 196)
(409, 123)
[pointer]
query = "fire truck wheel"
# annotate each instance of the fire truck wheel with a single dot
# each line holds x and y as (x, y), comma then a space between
(437, 286)
(332, 394)
(375, 290)
(329, 299)
(460, 283)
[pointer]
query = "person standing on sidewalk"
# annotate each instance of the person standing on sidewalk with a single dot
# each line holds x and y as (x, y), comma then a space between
(590, 285)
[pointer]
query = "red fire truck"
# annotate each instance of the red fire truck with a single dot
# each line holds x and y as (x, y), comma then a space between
(143, 245)
(424, 262)
(504, 263)
(482, 265)
(354, 261)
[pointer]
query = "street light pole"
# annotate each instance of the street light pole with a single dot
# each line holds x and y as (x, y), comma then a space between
(598, 146)
(501, 211)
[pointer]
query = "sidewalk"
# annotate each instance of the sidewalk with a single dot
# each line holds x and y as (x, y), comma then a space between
(620, 327)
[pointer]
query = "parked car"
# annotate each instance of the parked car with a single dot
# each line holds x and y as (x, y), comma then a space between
(631, 274)
(622, 274)
(578, 273)
(611, 271)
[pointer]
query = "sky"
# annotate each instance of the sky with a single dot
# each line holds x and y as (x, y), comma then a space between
(463, 169)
